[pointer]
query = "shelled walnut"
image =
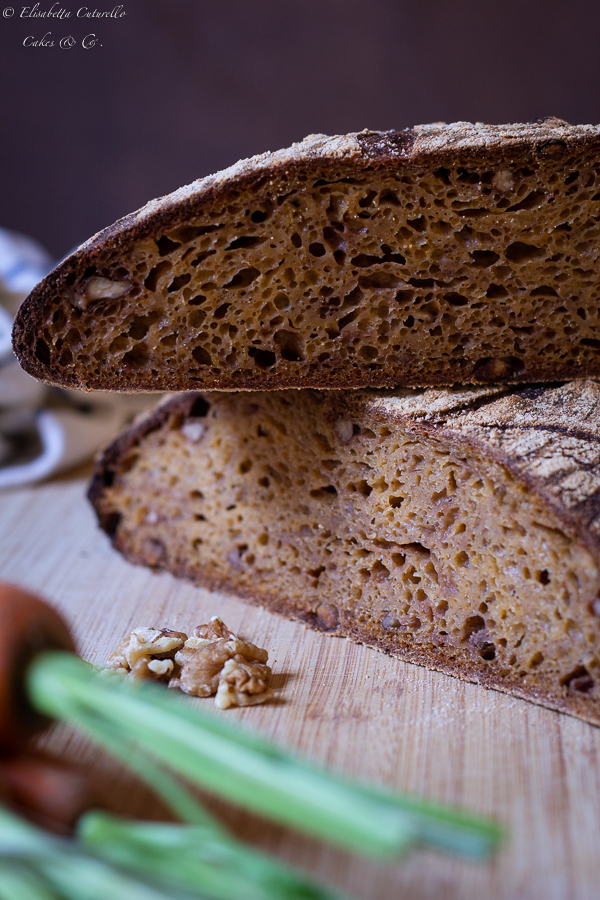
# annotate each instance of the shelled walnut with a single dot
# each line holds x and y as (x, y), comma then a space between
(142, 650)
(212, 661)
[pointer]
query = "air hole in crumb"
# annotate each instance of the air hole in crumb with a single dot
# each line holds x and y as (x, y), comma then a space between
(179, 282)
(495, 291)
(544, 577)
(419, 224)
(290, 345)
(488, 650)
(369, 353)
(379, 280)
(443, 175)
(166, 245)
(579, 680)
(137, 356)
(472, 625)
(316, 249)
(153, 276)
(544, 290)
(483, 258)
(264, 359)
(415, 547)
(380, 572)
(202, 356)
(361, 487)
(528, 202)
(59, 319)
(455, 299)
(139, 325)
(42, 351)
(367, 199)
(519, 252)
(221, 311)
(346, 320)
(243, 278)
(389, 197)
(245, 241)
(324, 493)
(332, 237)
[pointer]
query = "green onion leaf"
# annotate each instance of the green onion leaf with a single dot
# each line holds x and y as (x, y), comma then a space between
(244, 768)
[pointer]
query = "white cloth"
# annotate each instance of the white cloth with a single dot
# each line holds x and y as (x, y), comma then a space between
(45, 430)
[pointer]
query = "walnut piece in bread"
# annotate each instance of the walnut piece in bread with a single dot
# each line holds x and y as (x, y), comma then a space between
(437, 255)
(459, 529)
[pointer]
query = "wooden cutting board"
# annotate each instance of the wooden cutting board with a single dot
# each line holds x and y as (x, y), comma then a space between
(348, 706)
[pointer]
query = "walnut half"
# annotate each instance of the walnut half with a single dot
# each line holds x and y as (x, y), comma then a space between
(144, 648)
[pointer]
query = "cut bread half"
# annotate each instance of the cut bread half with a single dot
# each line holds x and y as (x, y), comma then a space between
(437, 255)
(455, 529)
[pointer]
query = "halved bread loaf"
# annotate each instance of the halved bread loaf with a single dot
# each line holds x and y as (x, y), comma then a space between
(458, 529)
(438, 255)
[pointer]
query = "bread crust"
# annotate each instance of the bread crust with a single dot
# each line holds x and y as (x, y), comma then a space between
(437, 144)
(548, 438)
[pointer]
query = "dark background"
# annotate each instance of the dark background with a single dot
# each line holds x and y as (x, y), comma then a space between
(181, 88)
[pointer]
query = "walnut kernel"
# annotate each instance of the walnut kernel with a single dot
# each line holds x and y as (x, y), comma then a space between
(212, 661)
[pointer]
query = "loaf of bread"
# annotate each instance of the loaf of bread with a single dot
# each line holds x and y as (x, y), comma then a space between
(458, 529)
(437, 255)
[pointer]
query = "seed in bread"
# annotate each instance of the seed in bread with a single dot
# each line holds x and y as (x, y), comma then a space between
(458, 529)
(437, 255)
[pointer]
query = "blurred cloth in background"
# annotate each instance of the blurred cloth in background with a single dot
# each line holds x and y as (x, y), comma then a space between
(45, 430)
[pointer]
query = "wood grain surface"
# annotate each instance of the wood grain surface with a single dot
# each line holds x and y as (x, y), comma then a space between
(348, 706)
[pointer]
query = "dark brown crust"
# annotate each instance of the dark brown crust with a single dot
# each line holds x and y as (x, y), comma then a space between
(437, 144)
(458, 425)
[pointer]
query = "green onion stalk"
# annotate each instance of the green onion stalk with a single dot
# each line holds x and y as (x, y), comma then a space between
(144, 723)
